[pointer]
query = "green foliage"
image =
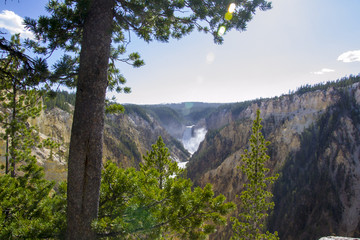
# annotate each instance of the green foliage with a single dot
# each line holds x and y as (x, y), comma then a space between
(50, 144)
(19, 102)
(131, 109)
(29, 207)
(158, 160)
(114, 108)
(188, 113)
(60, 99)
(158, 20)
(31, 71)
(156, 202)
(165, 115)
(343, 82)
(149, 20)
(255, 204)
(64, 100)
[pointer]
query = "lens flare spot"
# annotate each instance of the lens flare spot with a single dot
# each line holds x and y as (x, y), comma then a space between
(232, 7)
(221, 30)
(189, 105)
(199, 80)
(228, 16)
(210, 57)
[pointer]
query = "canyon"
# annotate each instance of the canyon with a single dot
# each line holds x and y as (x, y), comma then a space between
(315, 148)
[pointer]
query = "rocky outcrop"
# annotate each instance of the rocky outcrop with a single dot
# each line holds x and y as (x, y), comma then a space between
(314, 146)
(321, 181)
(284, 119)
(56, 125)
(127, 137)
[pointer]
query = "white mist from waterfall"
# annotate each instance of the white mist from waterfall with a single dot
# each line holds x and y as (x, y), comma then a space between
(192, 138)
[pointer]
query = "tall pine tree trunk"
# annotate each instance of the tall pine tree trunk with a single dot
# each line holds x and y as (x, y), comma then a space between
(13, 145)
(85, 156)
(7, 155)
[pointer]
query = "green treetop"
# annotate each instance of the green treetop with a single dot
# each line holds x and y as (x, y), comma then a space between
(156, 202)
(256, 197)
(159, 164)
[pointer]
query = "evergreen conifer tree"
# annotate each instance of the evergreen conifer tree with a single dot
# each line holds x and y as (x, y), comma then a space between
(256, 197)
(29, 206)
(156, 202)
(19, 102)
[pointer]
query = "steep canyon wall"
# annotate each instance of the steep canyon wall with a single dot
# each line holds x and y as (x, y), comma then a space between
(314, 147)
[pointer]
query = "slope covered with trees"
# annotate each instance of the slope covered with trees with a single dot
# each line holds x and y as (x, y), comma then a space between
(314, 147)
(319, 181)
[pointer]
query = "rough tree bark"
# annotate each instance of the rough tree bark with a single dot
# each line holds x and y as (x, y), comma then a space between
(85, 156)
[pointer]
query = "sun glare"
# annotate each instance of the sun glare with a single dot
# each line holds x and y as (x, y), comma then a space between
(232, 8)
(228, 16)
(221, 30)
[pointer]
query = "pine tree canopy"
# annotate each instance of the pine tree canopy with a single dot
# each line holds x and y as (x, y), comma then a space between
(149, 20)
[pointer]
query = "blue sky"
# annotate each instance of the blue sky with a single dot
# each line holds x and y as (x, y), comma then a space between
(297, 42)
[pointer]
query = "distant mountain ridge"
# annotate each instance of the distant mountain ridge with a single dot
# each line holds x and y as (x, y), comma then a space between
(176, 116)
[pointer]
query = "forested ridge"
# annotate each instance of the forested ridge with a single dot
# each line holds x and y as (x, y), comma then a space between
(311, 174)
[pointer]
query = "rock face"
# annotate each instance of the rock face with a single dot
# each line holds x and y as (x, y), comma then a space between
(56, 125)
(127, 137)
(315, 147)
(183, 121)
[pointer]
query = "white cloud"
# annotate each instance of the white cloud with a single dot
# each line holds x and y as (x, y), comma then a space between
(324, 70)
(350, 56)
(14, 24)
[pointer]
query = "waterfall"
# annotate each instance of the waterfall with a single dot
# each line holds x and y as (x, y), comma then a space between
(192, 137)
